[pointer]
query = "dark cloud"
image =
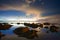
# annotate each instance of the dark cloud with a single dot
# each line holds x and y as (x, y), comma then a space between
(11, 2)
(48, 4)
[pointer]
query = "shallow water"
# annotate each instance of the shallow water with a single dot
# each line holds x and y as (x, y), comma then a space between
(42, 34)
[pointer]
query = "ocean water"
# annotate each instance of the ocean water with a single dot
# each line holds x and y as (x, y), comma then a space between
(42, 34)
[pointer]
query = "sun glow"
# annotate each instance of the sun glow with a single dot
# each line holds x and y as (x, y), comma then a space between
(21, 20)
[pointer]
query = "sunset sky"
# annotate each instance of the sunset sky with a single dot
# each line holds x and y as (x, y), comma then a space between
(30, 11)
(33, 10)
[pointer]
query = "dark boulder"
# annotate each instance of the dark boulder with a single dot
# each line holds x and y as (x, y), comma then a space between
(5, 26)
(1, 35)
(33, 25)
(53, 28)
(18, 23)
(25, 32)
(46, 23)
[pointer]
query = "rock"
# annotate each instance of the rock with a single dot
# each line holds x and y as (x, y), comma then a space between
(1, 35)
(5, 26)
(25, 32)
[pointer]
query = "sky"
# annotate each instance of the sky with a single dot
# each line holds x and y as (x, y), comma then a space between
(29, 9)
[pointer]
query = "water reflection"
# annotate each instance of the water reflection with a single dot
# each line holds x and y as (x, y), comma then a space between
(31, 30)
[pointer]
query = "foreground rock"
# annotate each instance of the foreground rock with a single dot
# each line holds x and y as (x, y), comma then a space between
(1, 35)
(25, 32)
(4, 26)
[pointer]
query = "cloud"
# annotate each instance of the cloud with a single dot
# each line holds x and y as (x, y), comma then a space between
(24, 8)
(29, 1)
(51, 19)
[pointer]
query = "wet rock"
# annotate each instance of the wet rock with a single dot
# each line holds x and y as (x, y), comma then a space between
(18, 23)
(46, 23)
(53, 28)
(1, 35)
(33, 25)
(5, 26)
(25, 32)
(40, 25)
